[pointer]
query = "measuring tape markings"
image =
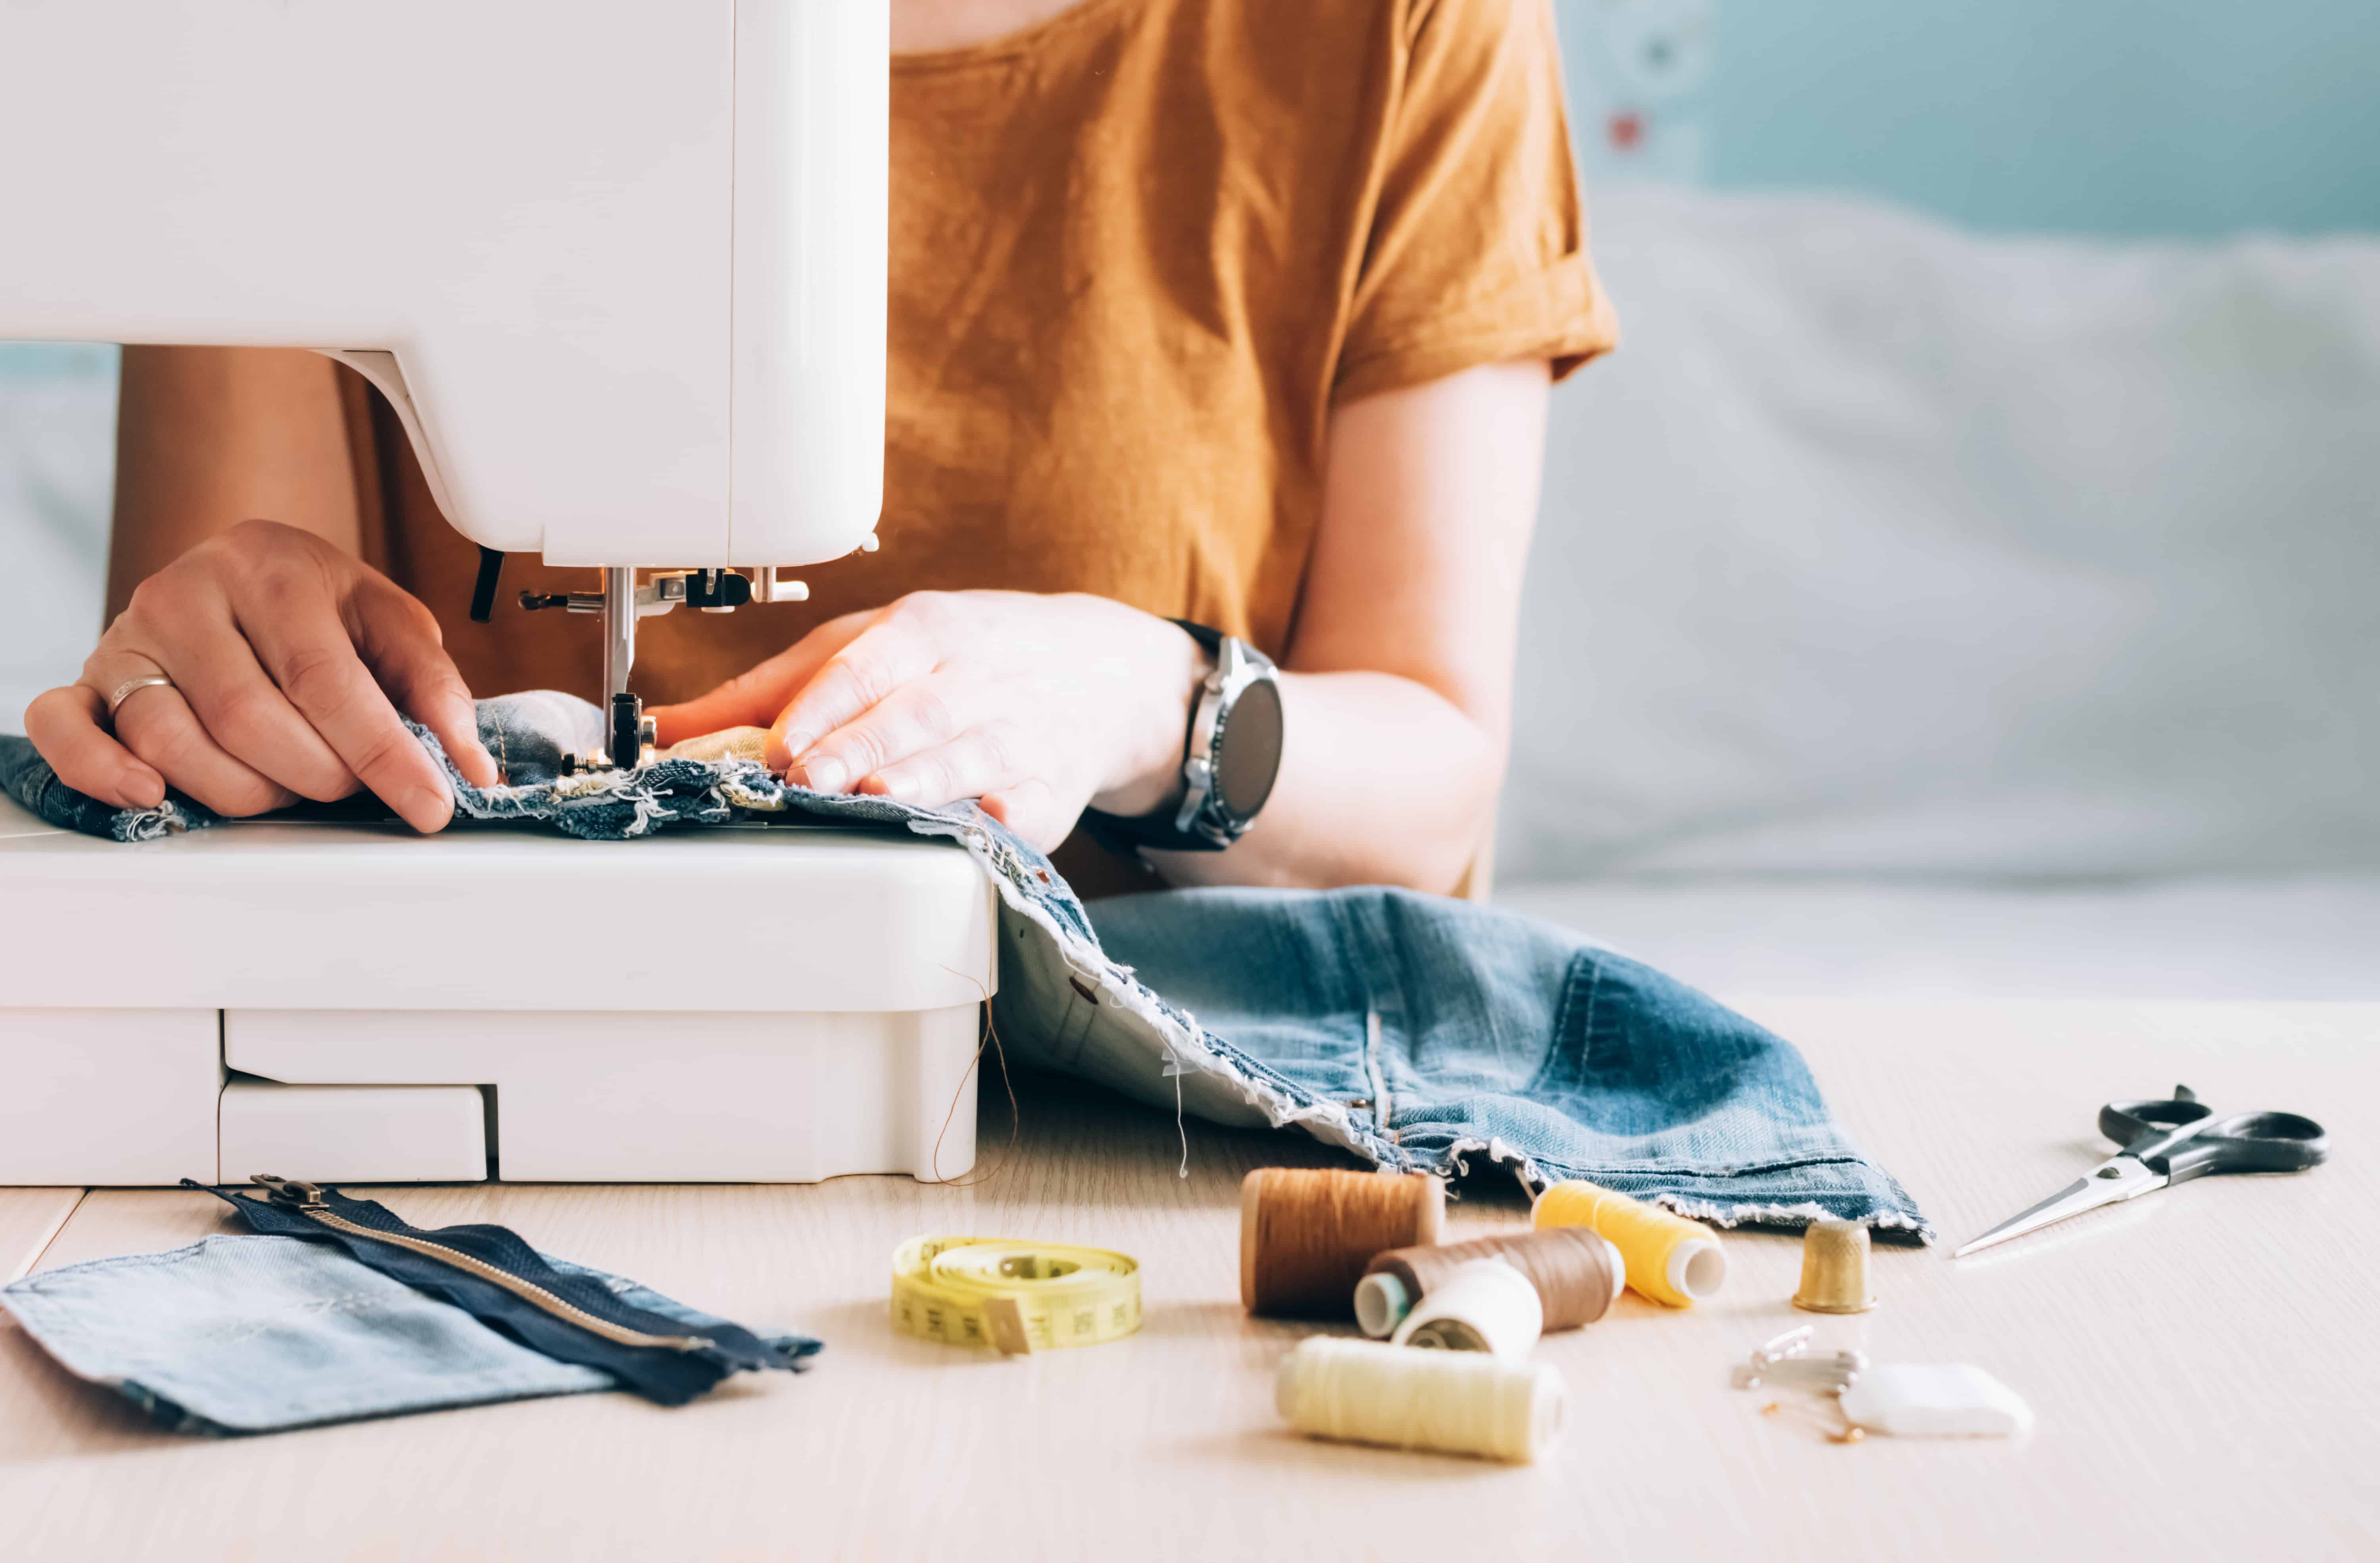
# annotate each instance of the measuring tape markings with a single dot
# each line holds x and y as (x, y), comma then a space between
(1012, 1294)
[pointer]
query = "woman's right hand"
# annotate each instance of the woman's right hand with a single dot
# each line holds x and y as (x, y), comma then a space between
(289, 660)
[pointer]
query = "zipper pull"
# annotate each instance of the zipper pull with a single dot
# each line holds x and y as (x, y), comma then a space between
(294, 1192)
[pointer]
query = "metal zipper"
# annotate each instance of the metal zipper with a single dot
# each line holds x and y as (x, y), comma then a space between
(306, 1199)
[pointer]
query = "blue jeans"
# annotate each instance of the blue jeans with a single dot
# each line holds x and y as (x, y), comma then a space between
(258, 1334)
(1418, 1033)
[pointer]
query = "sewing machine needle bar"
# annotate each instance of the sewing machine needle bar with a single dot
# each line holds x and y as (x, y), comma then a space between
(619, 630)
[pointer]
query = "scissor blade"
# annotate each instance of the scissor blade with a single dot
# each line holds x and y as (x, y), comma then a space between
(2118, 1178)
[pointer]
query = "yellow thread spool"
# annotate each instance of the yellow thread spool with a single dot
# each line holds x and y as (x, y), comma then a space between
(1669, 1259)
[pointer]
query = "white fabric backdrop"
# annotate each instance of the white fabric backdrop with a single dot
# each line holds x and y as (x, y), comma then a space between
(1884, 549)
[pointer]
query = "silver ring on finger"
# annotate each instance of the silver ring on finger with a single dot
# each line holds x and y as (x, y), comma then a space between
(131, 686)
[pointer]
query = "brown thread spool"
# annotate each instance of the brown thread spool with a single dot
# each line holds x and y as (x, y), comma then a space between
(1305, 1234)
(1576, 1271)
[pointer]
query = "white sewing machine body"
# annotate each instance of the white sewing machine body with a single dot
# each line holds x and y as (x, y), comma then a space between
(762, 1004)
(620, 268)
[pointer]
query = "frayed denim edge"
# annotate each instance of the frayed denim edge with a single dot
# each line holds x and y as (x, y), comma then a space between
(1536, 1180)
(1187, 1047)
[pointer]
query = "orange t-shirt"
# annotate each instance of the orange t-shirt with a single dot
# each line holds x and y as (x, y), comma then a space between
(1138, 252)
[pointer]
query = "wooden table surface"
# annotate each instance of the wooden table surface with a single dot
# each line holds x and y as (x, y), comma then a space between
(2203, 1363)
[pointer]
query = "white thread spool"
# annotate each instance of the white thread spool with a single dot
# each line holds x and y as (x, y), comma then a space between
(1485, 1305)
(1382, 1303)
(1457, 1402)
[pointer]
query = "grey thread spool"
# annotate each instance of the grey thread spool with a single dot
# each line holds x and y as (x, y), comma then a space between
(1577, 1272)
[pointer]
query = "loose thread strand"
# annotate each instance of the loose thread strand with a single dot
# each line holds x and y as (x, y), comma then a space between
(991, 1034)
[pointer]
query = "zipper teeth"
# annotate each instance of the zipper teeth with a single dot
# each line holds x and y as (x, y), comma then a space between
(529, 1291)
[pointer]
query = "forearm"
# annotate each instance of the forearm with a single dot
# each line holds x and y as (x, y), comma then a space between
(1383, 781)
(1397, 684)
(210, 437)
(1396, 688)
(1398, 706)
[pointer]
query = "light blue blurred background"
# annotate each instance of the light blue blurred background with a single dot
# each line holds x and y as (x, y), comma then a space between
(58, 434)
(2124, 117)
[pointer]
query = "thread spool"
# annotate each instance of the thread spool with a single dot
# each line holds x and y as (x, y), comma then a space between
(1834, 1270)
(1577, 1272)
(1306, 1233)
(1457, 1402)
(1670, 1258)
(1485, 1305)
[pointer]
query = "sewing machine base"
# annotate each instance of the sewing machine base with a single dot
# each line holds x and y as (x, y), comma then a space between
(341, 1003)
(148, 1096)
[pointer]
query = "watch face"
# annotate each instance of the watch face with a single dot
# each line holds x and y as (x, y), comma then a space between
(1249, 744)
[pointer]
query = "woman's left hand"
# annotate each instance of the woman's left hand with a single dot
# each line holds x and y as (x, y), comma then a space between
(1039, 705)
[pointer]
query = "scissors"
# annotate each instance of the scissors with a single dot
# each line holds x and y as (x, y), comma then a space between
(2171, 1142)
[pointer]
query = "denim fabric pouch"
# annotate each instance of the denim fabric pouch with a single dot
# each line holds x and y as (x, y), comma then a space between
(1418, 1033)
(491, 1273)
(236, 1335)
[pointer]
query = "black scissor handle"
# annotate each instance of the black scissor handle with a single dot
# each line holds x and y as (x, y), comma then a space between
(2247, 1141)
(2139, 1125)
(2171, 1136)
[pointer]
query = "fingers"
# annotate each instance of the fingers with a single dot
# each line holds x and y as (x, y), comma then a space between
(158, 725)
(913, 725)
(918, 746)
(278, 648)
(246, 716)
(755, 698)
(898, 649)
(304, 642)
(982, 758)
(1034, 812)
(398, 638)
(64, 726)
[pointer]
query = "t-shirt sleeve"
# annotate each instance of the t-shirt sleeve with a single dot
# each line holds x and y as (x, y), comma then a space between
(1476, 251)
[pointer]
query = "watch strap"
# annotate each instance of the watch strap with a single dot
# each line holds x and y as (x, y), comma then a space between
(1123, 834)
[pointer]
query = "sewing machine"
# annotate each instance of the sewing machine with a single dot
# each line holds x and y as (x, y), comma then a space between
(620, 269)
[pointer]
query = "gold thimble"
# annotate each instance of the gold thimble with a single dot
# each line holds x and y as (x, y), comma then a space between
(1834, 1270)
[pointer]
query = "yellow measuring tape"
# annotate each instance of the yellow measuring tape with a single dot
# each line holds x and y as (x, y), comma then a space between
(1014, 1295)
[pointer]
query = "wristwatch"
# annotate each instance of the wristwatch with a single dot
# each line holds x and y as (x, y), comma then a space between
(1228, 762)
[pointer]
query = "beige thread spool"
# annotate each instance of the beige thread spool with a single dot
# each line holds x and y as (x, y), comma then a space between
(1306, 1233)
(1457, 1402)
(1577, 1272)
(1834, 1270)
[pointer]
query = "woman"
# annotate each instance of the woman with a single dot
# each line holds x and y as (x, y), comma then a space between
(1224, 312)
